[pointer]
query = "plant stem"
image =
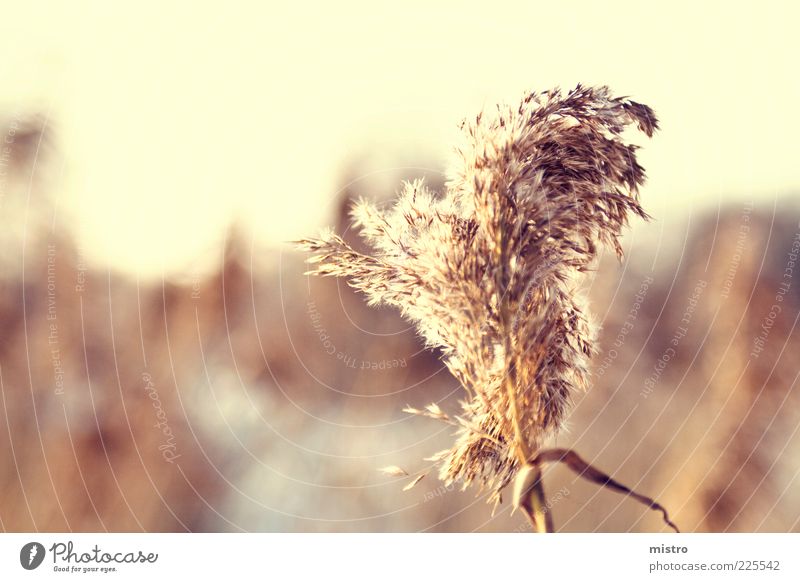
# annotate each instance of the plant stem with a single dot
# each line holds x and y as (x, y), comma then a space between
(530, 492)
(530, 498)
(523, 454)
(541, 518)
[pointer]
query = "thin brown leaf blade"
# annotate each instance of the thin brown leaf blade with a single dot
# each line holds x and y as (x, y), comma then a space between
(583, 469)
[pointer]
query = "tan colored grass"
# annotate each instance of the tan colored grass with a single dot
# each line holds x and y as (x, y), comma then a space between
(489, 269)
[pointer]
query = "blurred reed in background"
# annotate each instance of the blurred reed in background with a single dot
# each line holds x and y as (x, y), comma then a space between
(258, 399)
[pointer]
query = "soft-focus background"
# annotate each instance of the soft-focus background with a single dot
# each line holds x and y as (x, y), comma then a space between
(165, 364)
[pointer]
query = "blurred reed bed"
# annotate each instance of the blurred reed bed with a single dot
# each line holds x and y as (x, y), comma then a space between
(275, 433)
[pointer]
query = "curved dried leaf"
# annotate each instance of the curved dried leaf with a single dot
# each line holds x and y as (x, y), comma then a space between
(588, 472)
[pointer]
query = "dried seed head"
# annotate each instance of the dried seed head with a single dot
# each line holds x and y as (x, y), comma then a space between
(394, 471)
(488, 271)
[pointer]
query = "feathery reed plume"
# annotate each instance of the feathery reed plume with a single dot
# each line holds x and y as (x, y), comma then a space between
(488, 271)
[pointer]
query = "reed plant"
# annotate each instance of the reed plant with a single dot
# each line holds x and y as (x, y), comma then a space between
(489, 272)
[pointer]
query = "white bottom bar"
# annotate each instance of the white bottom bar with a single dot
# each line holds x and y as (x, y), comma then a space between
(405, 557)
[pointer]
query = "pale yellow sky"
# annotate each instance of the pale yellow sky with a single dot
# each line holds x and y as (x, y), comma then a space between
(177, 120)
